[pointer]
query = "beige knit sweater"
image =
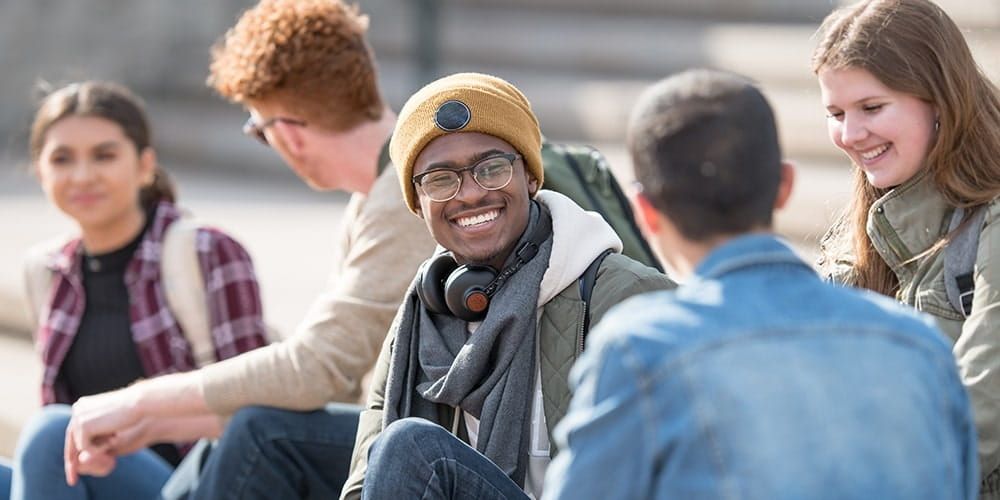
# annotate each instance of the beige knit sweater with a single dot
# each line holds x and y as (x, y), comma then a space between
(381, 245)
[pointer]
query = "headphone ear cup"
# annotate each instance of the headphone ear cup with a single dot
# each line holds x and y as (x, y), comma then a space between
(430, 287)
(464, 292)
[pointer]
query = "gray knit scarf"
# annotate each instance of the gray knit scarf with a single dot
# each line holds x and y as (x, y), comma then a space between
(489, 374)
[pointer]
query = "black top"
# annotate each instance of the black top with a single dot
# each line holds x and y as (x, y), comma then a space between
(103, 356)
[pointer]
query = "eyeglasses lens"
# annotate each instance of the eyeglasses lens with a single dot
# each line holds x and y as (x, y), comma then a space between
(491, 174)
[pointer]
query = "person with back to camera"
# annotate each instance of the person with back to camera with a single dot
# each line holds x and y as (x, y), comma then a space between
(754, 379)
(920, 121)
(106, 319)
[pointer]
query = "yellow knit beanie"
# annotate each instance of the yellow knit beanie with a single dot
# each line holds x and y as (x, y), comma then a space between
(464, 102)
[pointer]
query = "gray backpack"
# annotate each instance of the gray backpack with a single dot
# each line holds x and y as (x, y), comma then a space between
(960, 259)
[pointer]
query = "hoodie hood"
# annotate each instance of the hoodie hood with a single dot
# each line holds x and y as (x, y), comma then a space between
(578, 237)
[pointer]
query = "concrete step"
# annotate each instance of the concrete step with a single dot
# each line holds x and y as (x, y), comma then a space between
(582, 69)
(624, 43)
(786, 10)
(21, 372)
(606, 45)
(586, 108)
(973, 13)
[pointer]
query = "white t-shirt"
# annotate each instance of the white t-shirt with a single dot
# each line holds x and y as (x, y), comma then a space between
(538, 444)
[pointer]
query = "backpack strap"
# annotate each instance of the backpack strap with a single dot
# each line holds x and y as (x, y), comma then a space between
(38, 279)
(582, 179)
(587, 281)
(601, 164)
(960, 259)
(184, 288)
(180, 276)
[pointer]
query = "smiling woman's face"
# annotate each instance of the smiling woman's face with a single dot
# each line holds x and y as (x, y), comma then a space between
(886, 133)
(477, 225)
(91, 171)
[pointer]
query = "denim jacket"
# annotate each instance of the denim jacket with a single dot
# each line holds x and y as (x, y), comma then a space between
(756, 379)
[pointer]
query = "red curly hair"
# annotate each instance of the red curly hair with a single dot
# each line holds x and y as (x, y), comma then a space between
(311, 56)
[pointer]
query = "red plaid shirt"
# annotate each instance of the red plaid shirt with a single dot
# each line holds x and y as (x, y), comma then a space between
(231, 290)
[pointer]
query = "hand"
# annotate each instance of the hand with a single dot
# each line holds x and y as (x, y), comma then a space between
(95, 463)
(91, 431)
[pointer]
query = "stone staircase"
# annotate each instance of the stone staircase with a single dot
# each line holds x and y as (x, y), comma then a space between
(583, 62)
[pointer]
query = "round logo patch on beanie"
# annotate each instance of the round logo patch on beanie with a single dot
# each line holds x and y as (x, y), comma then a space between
(452, 116)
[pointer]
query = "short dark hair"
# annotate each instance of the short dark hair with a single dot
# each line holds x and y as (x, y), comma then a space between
(704, 146)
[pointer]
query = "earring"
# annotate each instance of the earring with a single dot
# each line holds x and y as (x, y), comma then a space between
(937, 125)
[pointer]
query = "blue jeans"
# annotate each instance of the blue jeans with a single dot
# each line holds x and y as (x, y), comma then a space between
(38, 466)
(271, 453)
(414, 458)
(5, 473)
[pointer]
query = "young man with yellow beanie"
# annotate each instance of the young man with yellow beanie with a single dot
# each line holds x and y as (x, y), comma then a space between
(473, 373)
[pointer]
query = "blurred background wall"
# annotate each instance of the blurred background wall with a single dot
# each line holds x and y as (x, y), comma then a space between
(581, 62)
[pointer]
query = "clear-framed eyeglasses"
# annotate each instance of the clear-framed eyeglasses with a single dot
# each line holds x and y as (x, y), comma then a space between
(490, 173)
(256, 130)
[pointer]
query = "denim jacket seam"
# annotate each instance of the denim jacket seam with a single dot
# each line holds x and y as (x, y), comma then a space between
(701, 419)
(644, 387)
(732, 336)
(732, 264)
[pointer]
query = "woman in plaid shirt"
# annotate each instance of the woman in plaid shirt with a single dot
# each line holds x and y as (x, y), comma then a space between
(107, 322)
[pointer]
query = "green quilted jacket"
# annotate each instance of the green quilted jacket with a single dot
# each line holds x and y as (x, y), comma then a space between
(560, 342)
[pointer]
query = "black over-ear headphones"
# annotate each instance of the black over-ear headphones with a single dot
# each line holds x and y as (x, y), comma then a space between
(464, 291)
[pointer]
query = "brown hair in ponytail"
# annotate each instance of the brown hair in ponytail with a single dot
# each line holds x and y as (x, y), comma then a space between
(112, 102)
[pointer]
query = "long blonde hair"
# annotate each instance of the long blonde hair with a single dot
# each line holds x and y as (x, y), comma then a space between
(912, 46)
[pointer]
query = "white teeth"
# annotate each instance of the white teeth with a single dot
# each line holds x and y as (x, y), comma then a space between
(871, 155)
(478, 219)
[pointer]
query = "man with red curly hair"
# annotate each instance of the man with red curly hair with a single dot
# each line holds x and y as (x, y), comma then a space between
(305, 72)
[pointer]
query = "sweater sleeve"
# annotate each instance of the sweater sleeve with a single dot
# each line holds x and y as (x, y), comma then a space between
(339, 340)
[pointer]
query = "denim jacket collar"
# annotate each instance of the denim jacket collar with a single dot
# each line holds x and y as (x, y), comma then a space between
(747, 251)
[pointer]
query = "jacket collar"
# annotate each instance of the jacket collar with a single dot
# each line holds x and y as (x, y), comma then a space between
(908, 220)
(747, 251)
(145, 263)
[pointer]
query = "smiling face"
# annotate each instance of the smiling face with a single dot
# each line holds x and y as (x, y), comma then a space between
(886, 133)
(92, 172)
(477, 225)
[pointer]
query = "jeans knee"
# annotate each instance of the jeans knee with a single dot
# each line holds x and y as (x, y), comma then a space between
(405, 434)
(43, 437)
(259, 425)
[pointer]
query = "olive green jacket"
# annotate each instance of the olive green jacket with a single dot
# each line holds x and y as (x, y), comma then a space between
(560, 341)
(902, 224)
